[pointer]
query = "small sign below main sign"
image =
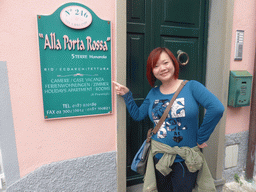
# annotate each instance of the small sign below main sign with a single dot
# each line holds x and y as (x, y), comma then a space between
(75, 59)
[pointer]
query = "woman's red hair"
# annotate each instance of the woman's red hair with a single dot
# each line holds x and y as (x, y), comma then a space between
(152, 60)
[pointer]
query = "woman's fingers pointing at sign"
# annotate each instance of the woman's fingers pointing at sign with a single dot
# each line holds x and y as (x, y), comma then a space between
(120, 89)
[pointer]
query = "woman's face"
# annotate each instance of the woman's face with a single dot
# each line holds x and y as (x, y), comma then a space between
(164, 69)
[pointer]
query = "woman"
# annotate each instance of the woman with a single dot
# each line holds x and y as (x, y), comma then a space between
(181, 127)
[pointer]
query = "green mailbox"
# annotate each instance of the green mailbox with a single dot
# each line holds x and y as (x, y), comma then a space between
(240, 84)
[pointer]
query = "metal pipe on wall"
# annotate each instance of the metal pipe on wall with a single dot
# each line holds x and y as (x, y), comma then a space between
(252, 131)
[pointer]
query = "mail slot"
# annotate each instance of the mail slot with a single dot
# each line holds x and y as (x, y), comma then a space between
(240, 86)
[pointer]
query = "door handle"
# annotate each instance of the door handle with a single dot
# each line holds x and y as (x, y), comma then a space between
(181, 54)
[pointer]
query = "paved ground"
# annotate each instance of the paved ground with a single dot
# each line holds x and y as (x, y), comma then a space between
(243, 186)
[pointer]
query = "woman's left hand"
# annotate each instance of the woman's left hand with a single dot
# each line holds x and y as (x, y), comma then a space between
(203, 145)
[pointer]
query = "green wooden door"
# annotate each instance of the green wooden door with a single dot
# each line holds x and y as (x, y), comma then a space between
(175, 24)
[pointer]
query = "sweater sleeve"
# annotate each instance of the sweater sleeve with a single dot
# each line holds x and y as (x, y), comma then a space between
(213, 114)
(137, 113)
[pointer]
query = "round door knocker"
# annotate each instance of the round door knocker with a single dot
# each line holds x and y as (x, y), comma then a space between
(183, 57)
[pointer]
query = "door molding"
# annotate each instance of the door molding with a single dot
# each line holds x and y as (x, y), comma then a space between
(7, 136)
(120, 32)
(217, 73)
(217, 77)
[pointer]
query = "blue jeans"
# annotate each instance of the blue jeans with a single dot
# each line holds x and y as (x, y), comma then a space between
(179, 180)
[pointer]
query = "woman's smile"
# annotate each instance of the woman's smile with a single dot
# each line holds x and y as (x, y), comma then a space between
(164, 74)
(164, 69)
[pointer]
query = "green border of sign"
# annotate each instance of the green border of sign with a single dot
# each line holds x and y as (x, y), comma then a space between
(75, 65)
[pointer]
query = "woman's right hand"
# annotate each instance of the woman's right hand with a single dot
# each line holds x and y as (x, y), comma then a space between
(202, 145)
(120, 89)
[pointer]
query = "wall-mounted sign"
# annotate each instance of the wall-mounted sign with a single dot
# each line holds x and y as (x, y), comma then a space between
(75, 58)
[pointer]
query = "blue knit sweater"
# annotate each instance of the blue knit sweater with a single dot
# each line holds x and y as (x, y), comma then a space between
(181, 127)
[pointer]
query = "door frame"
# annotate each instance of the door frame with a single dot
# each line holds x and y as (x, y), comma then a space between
(218, 60)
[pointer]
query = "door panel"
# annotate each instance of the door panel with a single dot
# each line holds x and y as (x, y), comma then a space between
(181, 12)
(188, 45)
(175, 24)
(138, 47)
(137, 83)
(179, 32)
(136, 11)
(136, 68)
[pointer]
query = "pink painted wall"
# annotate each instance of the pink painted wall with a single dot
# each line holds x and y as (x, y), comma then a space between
(38, 141)
(244, 19)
